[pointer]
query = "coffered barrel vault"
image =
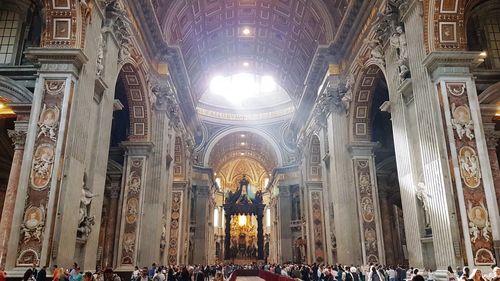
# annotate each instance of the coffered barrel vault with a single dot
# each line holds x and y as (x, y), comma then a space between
(276, 37)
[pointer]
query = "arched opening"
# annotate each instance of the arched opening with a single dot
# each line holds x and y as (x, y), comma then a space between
(129, 124)
(387, 176)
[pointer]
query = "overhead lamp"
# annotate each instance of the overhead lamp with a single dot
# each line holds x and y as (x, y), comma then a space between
(242, 135)
(245, 64)
(2, 105)
(483, 54)
(246, 31)
(243, 143)
(242, 153)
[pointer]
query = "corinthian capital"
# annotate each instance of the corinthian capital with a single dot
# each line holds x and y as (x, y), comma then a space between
(18, 138)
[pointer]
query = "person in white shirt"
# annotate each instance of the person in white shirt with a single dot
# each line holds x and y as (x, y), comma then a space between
(392, 274)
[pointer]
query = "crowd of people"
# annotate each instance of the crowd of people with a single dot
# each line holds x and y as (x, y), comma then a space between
(377, 273)
(221, 272)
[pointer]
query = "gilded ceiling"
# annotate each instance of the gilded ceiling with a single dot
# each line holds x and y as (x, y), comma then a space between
(243, 145)
(283, 37)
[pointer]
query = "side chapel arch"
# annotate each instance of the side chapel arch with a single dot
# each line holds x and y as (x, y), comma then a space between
(138, 102)
(360, 127)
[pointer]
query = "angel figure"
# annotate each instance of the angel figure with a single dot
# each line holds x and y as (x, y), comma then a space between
(474, 231)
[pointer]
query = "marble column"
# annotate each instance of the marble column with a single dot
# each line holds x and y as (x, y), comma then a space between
(471, 183)
(285, 215)
(201, 231)
(114, 193)
(44, 167)
(340, 190)
(132, 203)
(316, 237)
(18, 136)
(368, 202)
(492, 138)
(387, 220)
(431, 152)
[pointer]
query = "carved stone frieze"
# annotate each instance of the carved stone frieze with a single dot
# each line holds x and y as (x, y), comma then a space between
(118, 21)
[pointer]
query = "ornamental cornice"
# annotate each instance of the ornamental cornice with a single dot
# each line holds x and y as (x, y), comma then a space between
(447, 59)
(63, 57)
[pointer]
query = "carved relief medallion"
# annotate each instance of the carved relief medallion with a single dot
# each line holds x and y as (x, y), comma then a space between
(42, 166)
(469, 167)
(461, 121)
(367, 209)
(132, 210)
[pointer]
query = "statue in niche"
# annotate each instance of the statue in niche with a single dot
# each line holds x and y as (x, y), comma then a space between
(398, 41)
(85, 221)
(376, 51)
(100, 56)
(346, 90)
(423, 197)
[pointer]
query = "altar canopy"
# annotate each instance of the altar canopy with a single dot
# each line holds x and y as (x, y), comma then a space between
(244, 234)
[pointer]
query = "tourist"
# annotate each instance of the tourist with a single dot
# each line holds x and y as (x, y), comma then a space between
(184, 274)
(495, 272)
(430, 275)
(476, 275)
(450, 274)
(160, 276)
(136, 273)
(42, 274)
(109, 275)
(465, 273)
(418, 277)
(77, 275)
(28, 275)
(391, 273)
(218, 277)
(3, 274)
(88, 276)
(354, 274)
(373, 275)
(198, 274)
(400, 273)
(152, 271)
(73, 270)
(144, 276)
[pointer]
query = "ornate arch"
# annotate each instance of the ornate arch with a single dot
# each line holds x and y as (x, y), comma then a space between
(268, 138)
(362, 100)
(13, 92)
(138, 102)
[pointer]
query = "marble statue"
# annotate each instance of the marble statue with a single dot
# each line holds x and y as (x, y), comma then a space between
(423, 197)
(85, 221)
(398, 42)
(376, 51)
